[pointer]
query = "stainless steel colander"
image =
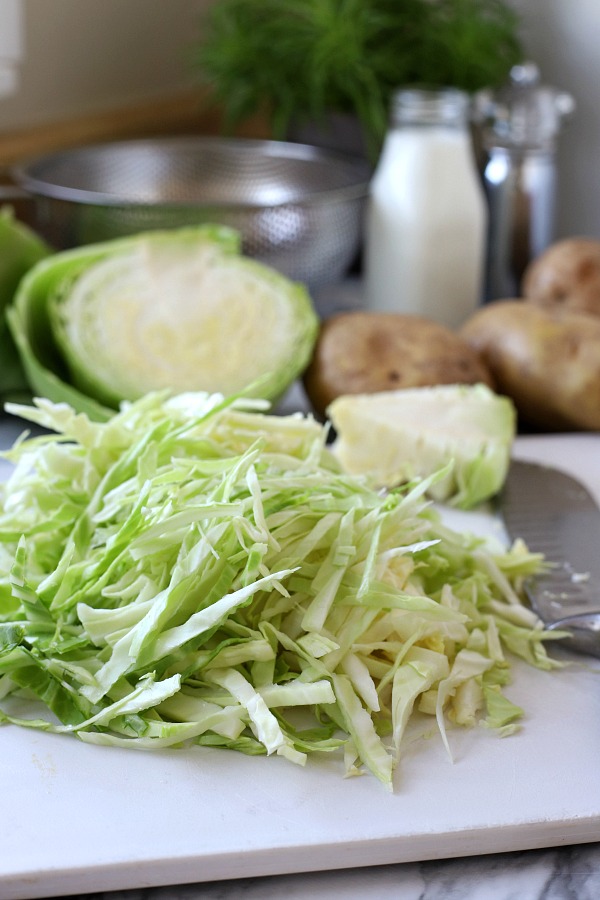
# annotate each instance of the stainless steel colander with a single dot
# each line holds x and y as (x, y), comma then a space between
(298, 208)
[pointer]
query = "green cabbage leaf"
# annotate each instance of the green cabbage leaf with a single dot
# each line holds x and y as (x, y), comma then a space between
(20, 250)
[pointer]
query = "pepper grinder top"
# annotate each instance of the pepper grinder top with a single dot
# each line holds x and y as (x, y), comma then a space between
(518, 128)
(524, 114)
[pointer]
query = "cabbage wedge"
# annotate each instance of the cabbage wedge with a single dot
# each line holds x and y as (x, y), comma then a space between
(394, 436)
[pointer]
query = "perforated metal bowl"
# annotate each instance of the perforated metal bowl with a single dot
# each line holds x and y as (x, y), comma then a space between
(298, 208)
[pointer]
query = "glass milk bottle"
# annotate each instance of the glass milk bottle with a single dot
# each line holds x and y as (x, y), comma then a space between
(426, 219)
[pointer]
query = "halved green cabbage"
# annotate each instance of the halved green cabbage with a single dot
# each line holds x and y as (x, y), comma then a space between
(178, 310)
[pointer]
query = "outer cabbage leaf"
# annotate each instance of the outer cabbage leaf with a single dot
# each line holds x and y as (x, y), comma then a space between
(20, 249)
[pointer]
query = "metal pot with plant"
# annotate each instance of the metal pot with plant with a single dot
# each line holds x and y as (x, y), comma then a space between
(298, 61)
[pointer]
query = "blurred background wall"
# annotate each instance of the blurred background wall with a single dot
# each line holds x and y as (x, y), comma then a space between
(83, 56)
(562, 37)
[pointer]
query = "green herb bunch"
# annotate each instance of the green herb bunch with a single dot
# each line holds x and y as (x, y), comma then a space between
(299, 60)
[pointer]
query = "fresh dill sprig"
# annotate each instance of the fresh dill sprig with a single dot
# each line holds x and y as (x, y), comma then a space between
(299, 60)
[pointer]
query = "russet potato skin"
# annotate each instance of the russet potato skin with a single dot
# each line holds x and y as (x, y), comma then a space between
(546, 360)
(369, 352)
(565, 275)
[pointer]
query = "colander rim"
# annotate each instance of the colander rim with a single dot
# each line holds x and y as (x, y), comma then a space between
(25, 177)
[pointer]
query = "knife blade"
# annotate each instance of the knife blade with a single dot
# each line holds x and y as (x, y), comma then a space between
(557, 516)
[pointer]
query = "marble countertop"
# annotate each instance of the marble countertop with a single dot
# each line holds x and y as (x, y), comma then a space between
(566, 873)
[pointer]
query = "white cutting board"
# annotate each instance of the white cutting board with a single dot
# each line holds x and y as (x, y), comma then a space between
(78, 818)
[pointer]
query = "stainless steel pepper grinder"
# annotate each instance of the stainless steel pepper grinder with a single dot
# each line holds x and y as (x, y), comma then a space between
(519, 127)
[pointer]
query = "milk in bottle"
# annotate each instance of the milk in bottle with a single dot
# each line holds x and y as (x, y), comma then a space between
(426, 219)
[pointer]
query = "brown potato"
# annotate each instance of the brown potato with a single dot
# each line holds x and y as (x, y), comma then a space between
(368, 352)
(567, 275)
(546, 360)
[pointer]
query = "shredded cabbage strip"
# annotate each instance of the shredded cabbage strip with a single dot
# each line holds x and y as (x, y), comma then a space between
(197, 570)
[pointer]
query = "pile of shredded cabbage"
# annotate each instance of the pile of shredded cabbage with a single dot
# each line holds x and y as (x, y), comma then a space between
(197, 571)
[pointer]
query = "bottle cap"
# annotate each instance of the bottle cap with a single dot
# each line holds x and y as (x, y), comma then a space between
(429, 106)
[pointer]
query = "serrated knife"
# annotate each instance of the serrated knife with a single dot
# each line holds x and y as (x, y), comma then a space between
(557, 516)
